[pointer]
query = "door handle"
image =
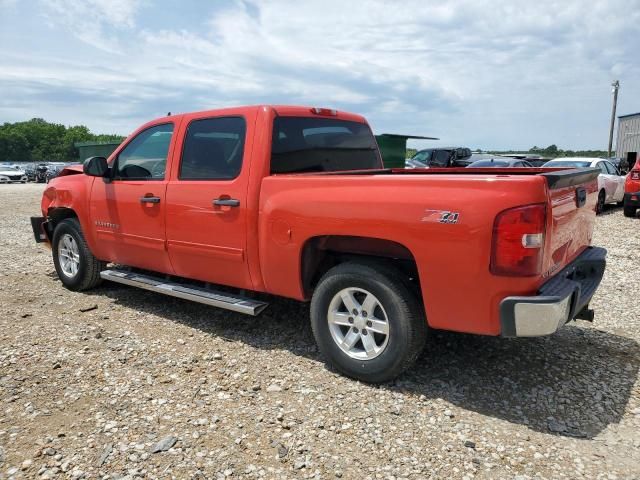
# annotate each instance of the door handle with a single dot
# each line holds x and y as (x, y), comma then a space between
(226, 202)
(149, 199)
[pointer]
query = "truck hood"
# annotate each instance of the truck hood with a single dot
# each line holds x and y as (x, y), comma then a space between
(71, 170)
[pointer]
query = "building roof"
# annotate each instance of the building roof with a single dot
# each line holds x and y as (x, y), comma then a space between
(629, 115)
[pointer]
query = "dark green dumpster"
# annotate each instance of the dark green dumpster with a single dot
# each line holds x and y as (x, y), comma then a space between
(393, 148)
(95, 149)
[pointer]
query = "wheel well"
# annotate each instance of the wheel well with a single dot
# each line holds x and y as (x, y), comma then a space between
(56, 215)
(320, 254)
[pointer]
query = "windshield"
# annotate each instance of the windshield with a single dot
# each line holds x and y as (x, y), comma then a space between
(490, 163)
(567, 163)
(306, 144)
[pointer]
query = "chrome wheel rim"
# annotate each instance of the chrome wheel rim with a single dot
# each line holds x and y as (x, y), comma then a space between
(358, 323)
(68, 255)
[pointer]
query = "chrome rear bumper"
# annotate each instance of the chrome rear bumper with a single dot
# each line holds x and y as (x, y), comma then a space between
(561, 299)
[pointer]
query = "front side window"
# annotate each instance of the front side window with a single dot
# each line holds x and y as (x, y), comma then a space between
(145, 157)
(309, 144)
(610, 168)
(213, 149)
(422, 156)
(603, 168)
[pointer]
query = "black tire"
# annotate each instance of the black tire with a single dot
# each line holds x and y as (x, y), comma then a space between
(629, 211)
(600, 205)
(89, 267)
(406, 320)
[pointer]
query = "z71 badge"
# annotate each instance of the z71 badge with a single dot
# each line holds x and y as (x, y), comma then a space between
(441, 216)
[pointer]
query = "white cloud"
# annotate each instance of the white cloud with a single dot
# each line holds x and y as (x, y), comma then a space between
(491, 74)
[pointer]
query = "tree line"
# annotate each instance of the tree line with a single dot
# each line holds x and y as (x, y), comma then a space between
(39, 140)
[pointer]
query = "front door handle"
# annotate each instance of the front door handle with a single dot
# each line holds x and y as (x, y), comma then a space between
(149, 199)
(226, 202)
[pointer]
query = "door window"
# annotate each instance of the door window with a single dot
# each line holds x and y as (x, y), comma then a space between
(213, 149)
(611, 169)
(145, 157)
(603, 168)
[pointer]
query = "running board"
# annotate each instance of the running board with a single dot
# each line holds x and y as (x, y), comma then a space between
(193, 293)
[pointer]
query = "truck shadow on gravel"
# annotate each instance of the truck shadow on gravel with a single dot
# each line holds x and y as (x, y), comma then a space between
(574, 383)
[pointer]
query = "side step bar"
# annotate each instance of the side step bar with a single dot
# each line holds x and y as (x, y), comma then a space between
(193, 293)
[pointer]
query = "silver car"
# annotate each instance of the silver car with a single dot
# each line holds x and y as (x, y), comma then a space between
(12, 174)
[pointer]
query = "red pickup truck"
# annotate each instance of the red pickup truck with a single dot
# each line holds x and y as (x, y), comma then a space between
(295, 202)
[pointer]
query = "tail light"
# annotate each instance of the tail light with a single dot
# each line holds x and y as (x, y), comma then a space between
(518, 241)
(635, 175)
(327, 112)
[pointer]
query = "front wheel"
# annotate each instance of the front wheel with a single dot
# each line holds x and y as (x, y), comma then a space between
(367, 322)
(76, 266)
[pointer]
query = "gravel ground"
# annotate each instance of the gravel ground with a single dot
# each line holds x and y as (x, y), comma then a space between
(123, 383)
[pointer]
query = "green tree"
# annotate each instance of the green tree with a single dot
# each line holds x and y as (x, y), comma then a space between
(39, 140)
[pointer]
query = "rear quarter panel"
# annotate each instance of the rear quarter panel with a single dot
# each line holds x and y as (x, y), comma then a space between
(453, 259)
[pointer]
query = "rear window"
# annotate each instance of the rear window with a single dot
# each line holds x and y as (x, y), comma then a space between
(567, 163)
(302, 144)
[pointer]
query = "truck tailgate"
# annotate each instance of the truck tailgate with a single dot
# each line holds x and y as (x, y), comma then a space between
(573, 195)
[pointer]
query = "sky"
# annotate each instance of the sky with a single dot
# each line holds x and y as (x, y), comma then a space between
(483, 74)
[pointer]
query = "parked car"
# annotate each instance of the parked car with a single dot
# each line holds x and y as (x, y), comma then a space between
(41, 173)
(500, 163)
(30, 171)
(208, 198)
(610, 182)
(632, 192)
(12, 174)
(443, 157)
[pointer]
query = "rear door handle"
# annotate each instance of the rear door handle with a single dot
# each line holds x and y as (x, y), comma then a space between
(226, 202)
(149, 199)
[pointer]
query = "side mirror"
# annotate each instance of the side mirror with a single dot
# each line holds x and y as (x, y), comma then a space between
(95, 166)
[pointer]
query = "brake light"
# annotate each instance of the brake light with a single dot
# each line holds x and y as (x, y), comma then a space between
(518, 241)
(327, 112)
(635, 175)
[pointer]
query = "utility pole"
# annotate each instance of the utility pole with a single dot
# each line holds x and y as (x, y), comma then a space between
(614, 90)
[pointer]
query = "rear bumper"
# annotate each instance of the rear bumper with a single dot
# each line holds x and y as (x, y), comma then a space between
(558, 301)
(632, 199)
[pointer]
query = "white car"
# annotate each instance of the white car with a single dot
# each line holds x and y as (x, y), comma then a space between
(610, 182)
(10, 174)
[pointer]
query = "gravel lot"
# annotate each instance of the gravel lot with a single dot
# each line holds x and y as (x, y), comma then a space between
(123, 383)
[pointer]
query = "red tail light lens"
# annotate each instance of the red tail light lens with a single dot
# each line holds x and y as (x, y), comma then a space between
(635, 175)
(518, 241)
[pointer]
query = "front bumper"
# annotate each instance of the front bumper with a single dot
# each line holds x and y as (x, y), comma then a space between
(559, 300)
(632, 199)
(40, 230)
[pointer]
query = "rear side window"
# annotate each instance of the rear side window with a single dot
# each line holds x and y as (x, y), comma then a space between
(145, 157)
(213, 149)
(302, 144)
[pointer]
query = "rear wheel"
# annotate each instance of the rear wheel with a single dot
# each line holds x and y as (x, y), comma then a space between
(601, 200)
(367, 322)
(76, 266)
